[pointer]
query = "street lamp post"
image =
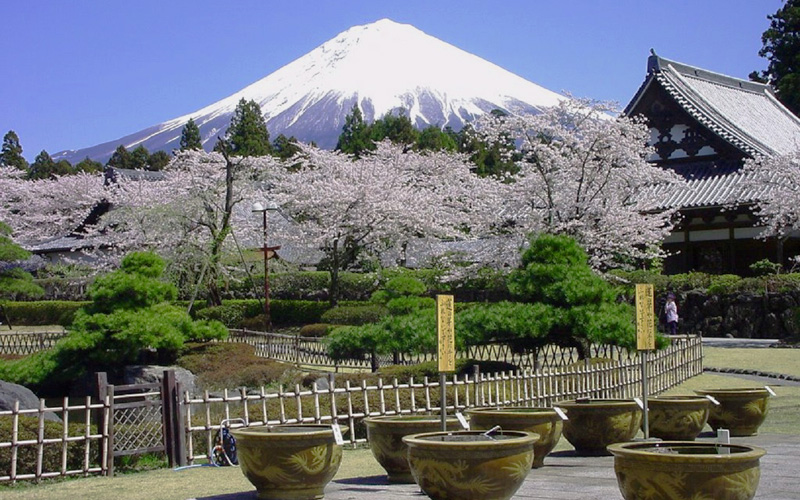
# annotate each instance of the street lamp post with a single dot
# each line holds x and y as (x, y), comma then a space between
(258, 207)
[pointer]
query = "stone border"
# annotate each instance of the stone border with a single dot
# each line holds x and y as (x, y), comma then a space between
(757, 373)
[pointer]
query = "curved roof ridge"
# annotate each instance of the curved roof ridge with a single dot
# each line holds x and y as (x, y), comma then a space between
(716, 120)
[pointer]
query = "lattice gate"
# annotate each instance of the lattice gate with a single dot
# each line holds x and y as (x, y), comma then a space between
(142, 419)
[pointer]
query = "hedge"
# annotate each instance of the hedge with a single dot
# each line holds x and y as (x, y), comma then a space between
(283, 312)
(42, 312)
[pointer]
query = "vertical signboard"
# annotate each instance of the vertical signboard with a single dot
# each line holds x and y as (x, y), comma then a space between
(445, 331)
(645, 318)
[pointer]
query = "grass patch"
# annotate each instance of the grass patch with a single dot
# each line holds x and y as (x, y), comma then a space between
(167, 484)
(785, 361)
(784, 409)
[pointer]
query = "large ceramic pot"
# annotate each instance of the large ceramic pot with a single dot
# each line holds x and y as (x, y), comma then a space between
(686, 470)
(288, 462)
(593, 424)
(677, 418)
(385, 436)
(742, 411)
(542, 421)
(470, 465)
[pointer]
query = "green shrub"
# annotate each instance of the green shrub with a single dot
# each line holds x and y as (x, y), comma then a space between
(407, 305)
(357, 286)
(314, 330)
(354, 315)
(405, 285)
(51, 458)
(225, 365)
(297, 312)
(230, 313)
(690, 281)
(765, 267)
(724, 283)
(296, 286)
(44, 312)
(235, 313)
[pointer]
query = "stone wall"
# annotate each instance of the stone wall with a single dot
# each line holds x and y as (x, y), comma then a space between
(742, 315)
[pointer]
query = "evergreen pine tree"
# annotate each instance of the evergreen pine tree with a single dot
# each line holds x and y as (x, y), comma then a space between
(354, 138)
(285, 148)
(434, 139)
(781, 47)
(248, 134)
(157, 161)
(88, 165)
(11, 155)
(395, 127)
(190, 137)
(42, 167)
(121, 158)
(140, 158)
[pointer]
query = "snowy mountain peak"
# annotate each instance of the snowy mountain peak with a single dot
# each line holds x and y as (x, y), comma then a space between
(382, 66)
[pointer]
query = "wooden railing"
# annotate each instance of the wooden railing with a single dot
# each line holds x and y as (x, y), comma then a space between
(312, 352)
(350, 403)
(83, 440)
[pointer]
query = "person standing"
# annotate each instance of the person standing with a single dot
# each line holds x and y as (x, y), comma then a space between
(671, 311)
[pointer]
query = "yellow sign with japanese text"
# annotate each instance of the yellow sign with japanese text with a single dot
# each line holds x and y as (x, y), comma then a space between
(445, 331)
(645, 318)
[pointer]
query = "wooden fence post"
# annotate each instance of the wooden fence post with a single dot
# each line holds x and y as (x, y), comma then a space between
(174, 438)
(110, 426)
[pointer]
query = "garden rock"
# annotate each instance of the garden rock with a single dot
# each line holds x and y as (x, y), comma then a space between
(9, 393)
(152, 374)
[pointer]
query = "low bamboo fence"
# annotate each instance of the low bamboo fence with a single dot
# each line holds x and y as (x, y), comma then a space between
(82, 442)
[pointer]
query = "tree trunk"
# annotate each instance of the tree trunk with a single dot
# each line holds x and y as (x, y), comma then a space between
(334, 291)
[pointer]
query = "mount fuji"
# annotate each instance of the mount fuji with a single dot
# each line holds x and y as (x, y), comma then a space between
(383, 67)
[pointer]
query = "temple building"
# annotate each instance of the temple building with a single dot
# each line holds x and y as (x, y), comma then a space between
(703, 126)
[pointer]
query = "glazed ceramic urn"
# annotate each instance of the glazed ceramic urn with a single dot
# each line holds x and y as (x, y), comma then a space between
(288, 462)
(593, 424)
(686, 470)
(741, 411)
(542, 421)
(677, 418)
(385, 436)
(470, 465)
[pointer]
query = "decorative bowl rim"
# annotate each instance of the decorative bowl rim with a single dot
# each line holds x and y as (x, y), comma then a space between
(631, 449)
(520, 438)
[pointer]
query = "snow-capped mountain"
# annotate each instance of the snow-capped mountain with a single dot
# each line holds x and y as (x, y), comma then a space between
(381, 66)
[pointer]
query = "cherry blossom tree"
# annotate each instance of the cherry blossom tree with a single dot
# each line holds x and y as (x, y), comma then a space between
(190, 214)
(377, 203)
(586, 175)
(39, 210)
(774, 184)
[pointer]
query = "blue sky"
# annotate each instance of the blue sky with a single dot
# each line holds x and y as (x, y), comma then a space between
(78, 73)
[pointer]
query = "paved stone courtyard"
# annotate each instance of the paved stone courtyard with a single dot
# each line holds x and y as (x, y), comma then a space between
(566, 476)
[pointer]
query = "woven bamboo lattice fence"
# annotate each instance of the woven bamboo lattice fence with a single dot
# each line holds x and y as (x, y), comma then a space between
(24, 343)
(311, 351)
(349, 404)
(37, 447)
